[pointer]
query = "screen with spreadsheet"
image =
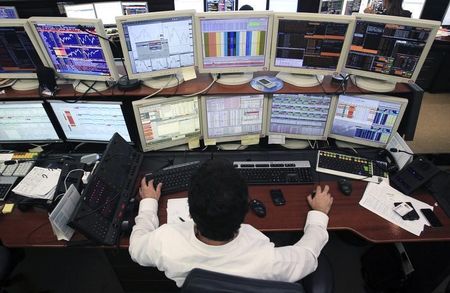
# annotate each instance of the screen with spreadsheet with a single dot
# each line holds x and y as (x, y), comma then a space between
(90, 121)
(220, 5)
(331, 6)
(8, 12)
(80, 11)
(131, 8)
(107, 11)
(228, 118)
(368, 120)
(300, 116)
(25, 122)
(167, 122)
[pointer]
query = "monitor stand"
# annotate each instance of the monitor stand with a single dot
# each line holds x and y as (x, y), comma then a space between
(231, 146)
(349, 145)
(296, 144)
(25, 84)
(178, 148)
(235, 78)
(372, 84)
(82, 86)
(301, 80)
(165, 81)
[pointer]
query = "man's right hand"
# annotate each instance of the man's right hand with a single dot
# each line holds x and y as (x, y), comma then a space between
(322, 201)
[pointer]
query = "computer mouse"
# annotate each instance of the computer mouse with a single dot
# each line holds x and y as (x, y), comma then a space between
(345, 186)
(258, 207)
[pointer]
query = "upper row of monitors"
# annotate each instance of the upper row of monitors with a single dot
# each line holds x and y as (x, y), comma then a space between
(167, 122)
(301, 46)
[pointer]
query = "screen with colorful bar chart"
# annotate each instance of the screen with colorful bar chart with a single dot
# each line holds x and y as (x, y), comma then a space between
(234, 42)
(367, 119)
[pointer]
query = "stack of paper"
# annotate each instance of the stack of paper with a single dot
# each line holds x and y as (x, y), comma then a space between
(178, 210)
(39, 183)
(380, 199)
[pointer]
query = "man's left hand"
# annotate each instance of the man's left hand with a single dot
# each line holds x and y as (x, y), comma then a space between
(148, 190)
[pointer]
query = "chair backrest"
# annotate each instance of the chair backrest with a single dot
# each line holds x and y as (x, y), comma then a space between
(202, 281)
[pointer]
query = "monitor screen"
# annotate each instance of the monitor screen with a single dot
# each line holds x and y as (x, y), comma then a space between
(158, 46)
(25, 122)
(331, 6)
(19, 57)
(107, 11)
(389, 48)
(283, 5)
(446, 19)
(72, 51)
(310, 43)
(8, 12)
(233, 41)
(300, 116)
(90, 121)
(80, 11)
(167, 122)
(229, 118)
(257, 5)
(220, 5)
(368, 120)
(197, 5)
(352, 6)
(131, 8)
(415, 6)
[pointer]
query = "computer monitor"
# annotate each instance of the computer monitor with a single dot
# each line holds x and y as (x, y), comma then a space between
(446, 18)
(220, 5)
(157, 46)
(197, 5)
(8, 12)
(308, 45)
(300, 116)
(232, 118)
(25, 122)
(107, 12)
(415, 6)
(331, 6)
(283, 5)
(20, 54)
(167, 122)
(131, 8)
(388, 49)
(81, 11)
(235, 42)
(369, 120)
(90, 121)
(257, 5)
(71, 48)
(351, 6)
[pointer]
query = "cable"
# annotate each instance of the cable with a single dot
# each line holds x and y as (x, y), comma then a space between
(67, 176)
(206, 89)
(394, 150)
(83, 95)
(158, 91)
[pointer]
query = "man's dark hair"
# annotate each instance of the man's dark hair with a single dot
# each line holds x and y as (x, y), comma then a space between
(246, 7)
(218, 200)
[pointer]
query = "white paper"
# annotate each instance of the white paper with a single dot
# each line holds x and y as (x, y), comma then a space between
(63, 211)
(400, 158)
(39, 183)
(177, 209)
(277, 139)
(380, 199)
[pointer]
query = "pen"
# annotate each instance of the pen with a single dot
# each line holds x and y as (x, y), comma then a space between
(181, 219)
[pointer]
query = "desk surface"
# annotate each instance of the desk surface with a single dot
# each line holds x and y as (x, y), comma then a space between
(26, 229)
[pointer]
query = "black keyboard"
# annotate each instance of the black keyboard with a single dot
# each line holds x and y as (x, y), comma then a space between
(6, 182)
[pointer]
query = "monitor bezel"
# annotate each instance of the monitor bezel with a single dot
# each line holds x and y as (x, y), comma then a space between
(120, 103)
(107, 2)
(166, 144)
(153, 16)
(331, 113)
(13, 8)
(220, 139)
(23, 23)
(303, 16)
(99, 29)
(387, 19)
(232, 15)
(49, 120)
(383, 98)
(81, 4)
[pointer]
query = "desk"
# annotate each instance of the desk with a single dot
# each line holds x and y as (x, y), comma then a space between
(32, 229)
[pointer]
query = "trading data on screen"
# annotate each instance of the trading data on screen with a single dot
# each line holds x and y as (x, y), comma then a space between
(25, 122)
(72, 50)
(91, 121)
(8, 12)
(365, 119)
(17, 53)
(131, 8)
(332, 6)
(309, 44)
(234, 115)
(159, 44)
(299, 114)
(390, 49)
(170, 120)
(220, 5)
(234, 42)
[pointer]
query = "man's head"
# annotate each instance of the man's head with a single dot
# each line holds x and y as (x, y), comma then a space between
(218, 200)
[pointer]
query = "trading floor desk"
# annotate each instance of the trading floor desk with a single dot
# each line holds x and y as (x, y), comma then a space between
(32, 229)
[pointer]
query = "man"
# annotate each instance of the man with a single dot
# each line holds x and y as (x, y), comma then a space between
(217, 240)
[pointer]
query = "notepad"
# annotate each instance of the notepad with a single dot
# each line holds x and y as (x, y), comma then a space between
(39, 183)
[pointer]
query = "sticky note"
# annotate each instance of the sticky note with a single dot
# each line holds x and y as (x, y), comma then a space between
(194, 143)
(8, 208)
(210, 141)
(188, 73)
(277, 139)
(250, 139)
(37, 149)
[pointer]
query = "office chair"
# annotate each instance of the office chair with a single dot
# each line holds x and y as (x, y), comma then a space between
(5, 265)
(202, 281)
